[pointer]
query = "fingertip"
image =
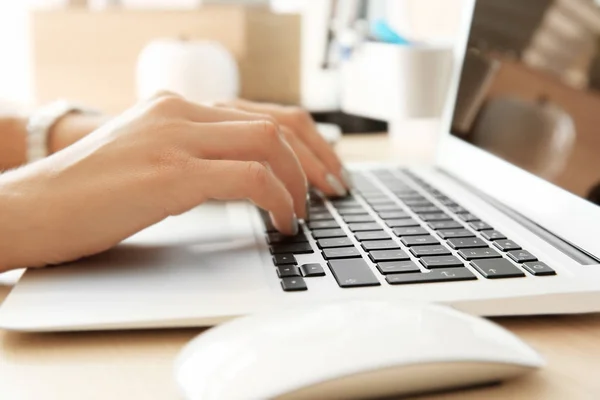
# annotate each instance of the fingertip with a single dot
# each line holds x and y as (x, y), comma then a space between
(290, 228)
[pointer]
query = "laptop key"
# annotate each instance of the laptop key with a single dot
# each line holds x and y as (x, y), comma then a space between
(313, 269)
(397, 267)
(457, 210)
(354, 272)
(388, 255)
(328, 233)
(492, 235)
(393, 215)
(350, 219)
(401, 223)
(286, 271)
(284, 259)
(474, 254)
(521, 256)
(323, 224)
(293, 248)
(423, 251)
(364, 226)
(410, 231)
(436, 275)
(426, 210)
(435, 217)
(351, 211)
(480, 226)
(506, 245)
(320, 216)
(386, 207)
(468, 217)
(341, 252)
(455, 233)
(371, 235)
(497, 268)
(370, 245)
(465, 243)
(334, 242)
(293, 284)
(441, 262)
(279, 238)
(538, 268)
(418, 202)
(378, 200)
(439, 225)
(419, 240)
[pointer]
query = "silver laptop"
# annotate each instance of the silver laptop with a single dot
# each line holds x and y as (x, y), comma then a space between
(502, 224)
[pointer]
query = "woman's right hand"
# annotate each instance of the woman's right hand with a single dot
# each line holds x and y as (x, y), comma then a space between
(158, 159)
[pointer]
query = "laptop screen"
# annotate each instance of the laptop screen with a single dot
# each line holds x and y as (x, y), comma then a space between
(530, 89)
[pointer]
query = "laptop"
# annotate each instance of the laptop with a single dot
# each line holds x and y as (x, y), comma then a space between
(482, 230)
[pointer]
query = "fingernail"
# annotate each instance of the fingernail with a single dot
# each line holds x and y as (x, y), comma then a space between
(347, 177)
(336, 185)
(295, 225)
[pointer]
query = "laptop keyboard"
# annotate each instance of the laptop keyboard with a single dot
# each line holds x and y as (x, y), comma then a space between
(416, 235)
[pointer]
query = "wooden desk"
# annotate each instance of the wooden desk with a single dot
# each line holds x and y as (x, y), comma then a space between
(138, 365)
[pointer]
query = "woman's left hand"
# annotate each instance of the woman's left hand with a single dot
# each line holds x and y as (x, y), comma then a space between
(322, 167)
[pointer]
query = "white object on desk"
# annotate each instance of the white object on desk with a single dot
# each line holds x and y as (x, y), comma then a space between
(201, 71)
(349, 350)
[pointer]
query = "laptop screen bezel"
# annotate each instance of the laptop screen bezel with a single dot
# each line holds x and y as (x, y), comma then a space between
(570, 217)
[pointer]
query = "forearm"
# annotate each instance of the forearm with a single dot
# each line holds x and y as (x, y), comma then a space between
(67, 130)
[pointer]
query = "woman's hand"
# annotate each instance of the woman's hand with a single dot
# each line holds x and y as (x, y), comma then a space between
(322, 166)
(158, 159)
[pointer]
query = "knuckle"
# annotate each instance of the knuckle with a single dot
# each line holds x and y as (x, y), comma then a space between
(270, 133)
(166, 104)
(258, 174)
(299, 115)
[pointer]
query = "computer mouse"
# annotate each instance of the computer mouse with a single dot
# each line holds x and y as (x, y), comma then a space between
(349, 350)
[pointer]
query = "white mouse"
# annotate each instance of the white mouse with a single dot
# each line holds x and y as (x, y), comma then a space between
(349, 350)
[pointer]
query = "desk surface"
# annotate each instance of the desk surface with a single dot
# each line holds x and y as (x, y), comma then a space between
(131, 365)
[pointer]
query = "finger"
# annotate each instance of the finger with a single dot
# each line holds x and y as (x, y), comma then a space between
(253, 141)
(313, 167)
(234, 180)
(303, 125)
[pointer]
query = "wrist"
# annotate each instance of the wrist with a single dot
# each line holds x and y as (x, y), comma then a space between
(72, 127)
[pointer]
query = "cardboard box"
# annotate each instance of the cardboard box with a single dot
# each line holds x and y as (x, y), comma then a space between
(90, 57)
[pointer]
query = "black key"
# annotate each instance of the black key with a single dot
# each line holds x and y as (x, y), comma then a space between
(279, 238)
(397, 267)
(423, 251)
(521, 256)
(473, 254)
(371, 235)
(351, 211)
(465, 243)
(328, 233)
(506, 245)
(410, 231)
(448, 202)
(364, 226)
(401, 223)
(388, 255)
(457, 210)
(387, 207)
(539, 268)
(294, 248)
(409, 195)
(317, 209)
(293, 284)
(354, 272)
(370, 245)
(320, 216)
(323, 224)
(468, 217)
(286, 271)
(497, 268)
(492, 235)
(334, 242)
(436, 275)
(419, 240)
(313, 269)
(349, 219)
(439, 225)
(269, 227)
(418, 202)
(435, 217)
(455, 233)
(480, 226)
(441, 262)
(393, 215)
(426, 210)
(341, 252)
(347, 202)
(284, 259)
